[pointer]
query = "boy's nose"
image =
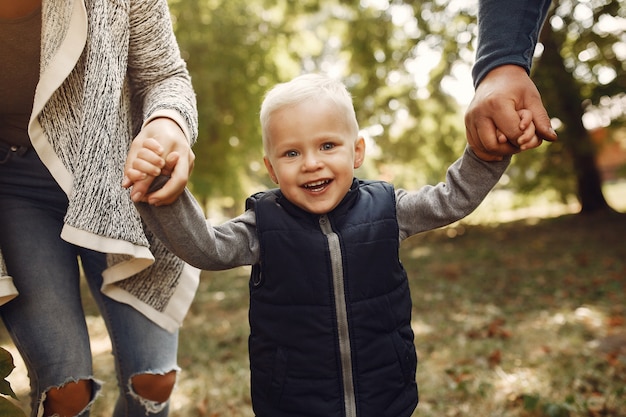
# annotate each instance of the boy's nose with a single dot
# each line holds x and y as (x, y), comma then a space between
(311, 162)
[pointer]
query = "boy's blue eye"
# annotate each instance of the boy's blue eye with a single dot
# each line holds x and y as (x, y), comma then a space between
(328, 146)
(291, 154)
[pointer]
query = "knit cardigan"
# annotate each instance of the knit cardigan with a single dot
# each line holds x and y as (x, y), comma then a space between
(108, 68)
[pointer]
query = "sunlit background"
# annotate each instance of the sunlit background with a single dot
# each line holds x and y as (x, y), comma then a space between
(408, 67)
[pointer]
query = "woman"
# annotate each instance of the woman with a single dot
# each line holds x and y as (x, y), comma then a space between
(81, 80)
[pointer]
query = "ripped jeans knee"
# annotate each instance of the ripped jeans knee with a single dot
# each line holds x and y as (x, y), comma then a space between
(72, 398)
(152, 390)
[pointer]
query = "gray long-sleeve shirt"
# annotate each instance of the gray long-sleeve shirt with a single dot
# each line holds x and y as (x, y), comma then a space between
(184, 230)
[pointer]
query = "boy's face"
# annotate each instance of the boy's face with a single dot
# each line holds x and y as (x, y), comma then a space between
(312, 153)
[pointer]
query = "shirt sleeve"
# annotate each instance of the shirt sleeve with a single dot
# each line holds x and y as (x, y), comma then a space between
(468, 181)
(184, 230)
(507, 33)
(158, 74)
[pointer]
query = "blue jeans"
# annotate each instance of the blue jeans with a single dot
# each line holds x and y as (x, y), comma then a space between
(46, 321)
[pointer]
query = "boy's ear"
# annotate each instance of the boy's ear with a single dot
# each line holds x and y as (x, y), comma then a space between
(270, 169)
(359, 152)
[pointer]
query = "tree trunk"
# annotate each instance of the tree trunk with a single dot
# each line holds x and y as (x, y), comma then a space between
(562, 98)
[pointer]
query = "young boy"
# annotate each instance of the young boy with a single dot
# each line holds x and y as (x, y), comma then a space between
(330, 308)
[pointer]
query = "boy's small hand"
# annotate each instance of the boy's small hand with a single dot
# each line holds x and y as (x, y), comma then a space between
(143, 164)
(158, 150)
(144, 159)
(529, 138)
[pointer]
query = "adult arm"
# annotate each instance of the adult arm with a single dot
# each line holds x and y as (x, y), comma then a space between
(161, 86)
(507, 36)
(468, 181)
(183, 229)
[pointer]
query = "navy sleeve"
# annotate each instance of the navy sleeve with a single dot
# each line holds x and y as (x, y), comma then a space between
(507, 33)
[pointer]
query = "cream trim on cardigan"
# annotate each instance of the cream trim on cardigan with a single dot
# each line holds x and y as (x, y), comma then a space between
(50, 79)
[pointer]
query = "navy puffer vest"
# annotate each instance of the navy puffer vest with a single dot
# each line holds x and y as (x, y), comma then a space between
(330, 310)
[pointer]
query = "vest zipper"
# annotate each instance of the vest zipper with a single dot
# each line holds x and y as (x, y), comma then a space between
(341, 311)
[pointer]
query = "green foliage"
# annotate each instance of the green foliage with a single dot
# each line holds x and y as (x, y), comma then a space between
(7, 408)
(538, 407)
(228, 47)
(237, 49)
(400, 60)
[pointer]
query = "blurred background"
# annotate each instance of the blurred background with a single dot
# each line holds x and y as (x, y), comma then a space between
(408, 67)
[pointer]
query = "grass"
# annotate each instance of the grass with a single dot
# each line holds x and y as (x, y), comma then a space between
(512, 319)
(525, 318)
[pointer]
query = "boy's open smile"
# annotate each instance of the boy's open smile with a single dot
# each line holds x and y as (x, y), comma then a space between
(317, 186)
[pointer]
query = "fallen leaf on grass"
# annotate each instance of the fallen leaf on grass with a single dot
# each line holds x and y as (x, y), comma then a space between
(496, 329)
(615, 321)
(459, 377)
(493, 330)
(495, 358)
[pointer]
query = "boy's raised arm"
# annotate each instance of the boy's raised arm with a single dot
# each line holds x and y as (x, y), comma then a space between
(184, 230)
(467, 183)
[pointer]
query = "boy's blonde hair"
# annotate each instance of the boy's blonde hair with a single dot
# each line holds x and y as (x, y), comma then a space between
(302, 88)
